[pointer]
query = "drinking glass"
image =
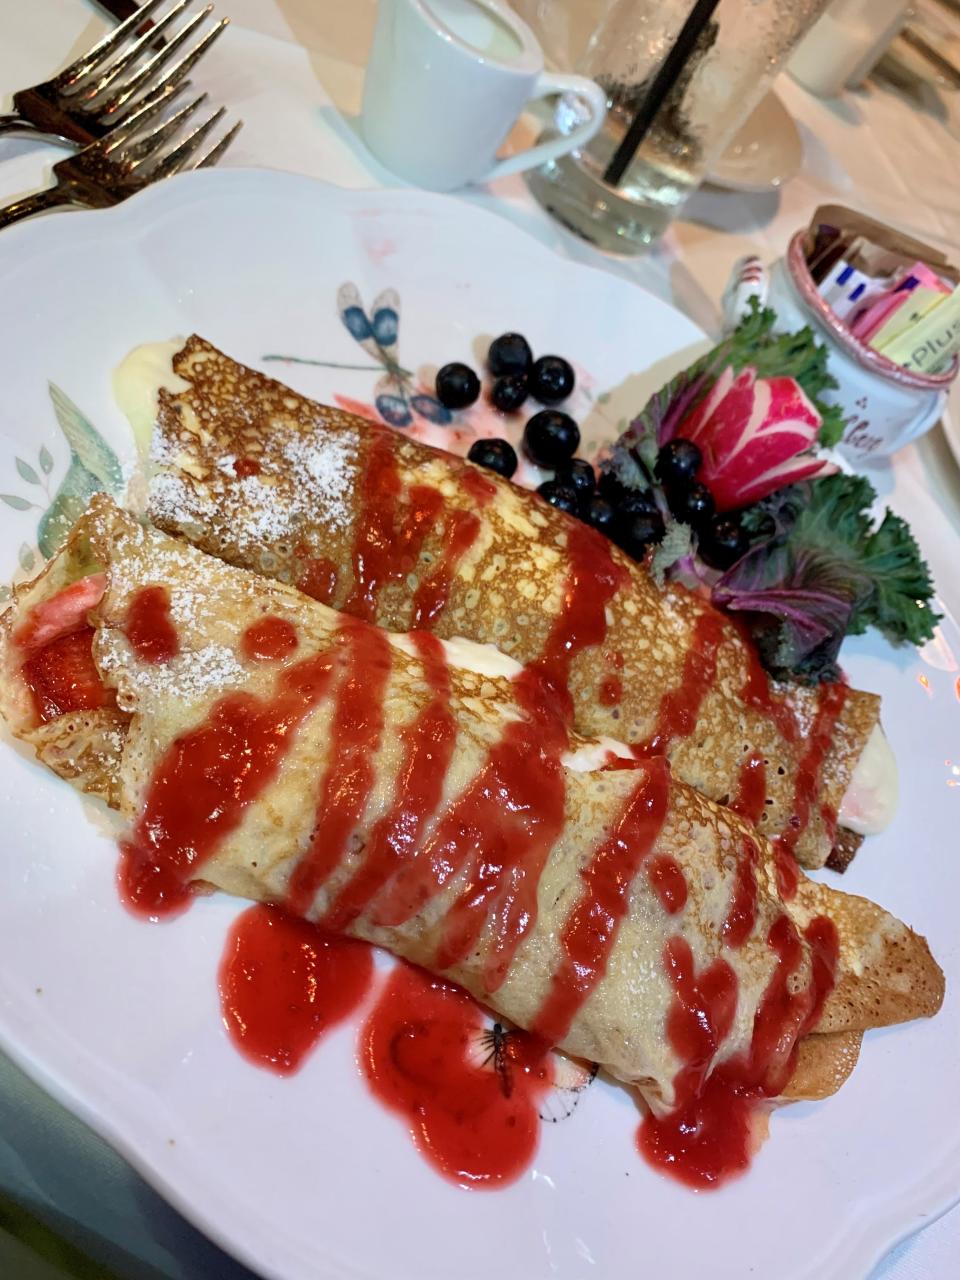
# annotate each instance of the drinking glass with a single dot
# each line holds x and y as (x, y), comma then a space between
(736, 56)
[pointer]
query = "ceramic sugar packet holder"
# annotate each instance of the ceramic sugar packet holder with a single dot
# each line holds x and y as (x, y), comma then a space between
(886, 406)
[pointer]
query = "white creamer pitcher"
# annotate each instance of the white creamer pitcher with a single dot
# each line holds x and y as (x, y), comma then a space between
(445, 83)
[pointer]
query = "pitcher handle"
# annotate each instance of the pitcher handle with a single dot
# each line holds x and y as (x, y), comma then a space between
(549, 83)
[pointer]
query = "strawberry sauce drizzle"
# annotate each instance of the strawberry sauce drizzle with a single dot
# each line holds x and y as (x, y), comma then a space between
(204, 783)
(497, 833)
(680, 707)
(284, 983)
(428, 743)
(476, 1123)
(611, 691)
(480, 487)
(830, 703)
(593, 579)
(786, 868)
(707, 1136)
(391, 527)
(751, 795)
(668, 883)
(149, 627)
(592, 926)
(430, 598)
(757, 691)
(829, 817)
(742, 913)
(269, 640)
(318, 577)
(349, 776)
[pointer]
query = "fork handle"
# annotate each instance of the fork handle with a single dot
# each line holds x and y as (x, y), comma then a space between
(15, 124)
(29, 205)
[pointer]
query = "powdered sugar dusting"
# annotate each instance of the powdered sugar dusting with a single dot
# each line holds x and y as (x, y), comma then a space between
(200, 591)
(326, 465)
(174, 499)
(162, 448)
(307, 477)
(265, 512)
(191, 677)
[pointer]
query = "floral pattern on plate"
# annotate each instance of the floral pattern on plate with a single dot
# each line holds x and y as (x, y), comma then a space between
(93, 468)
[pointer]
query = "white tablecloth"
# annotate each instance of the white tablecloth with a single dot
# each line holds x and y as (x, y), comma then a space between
(293, 70)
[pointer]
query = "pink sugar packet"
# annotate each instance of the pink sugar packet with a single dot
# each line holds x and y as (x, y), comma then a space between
(879, 310)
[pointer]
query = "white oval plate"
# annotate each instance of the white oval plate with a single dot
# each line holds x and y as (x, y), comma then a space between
(307, 1177)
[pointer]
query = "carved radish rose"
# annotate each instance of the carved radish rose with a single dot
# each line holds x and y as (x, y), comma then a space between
(754, 435)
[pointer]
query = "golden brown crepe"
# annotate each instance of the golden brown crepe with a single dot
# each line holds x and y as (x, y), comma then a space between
(381, 527)
(424, 797)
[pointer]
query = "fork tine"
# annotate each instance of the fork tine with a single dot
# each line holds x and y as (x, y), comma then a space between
(163, 93)
(189, 60)
(132, 83)
(156, 64)
(112, 40)
(214, 154)
(109, 74)
(176, 159)
(145, 147)
(154, 102)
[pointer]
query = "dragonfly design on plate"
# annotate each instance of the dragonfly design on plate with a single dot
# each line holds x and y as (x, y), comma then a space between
(398, 397)
(93, 468)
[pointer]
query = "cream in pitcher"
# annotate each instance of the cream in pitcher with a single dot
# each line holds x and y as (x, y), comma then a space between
(445, 83)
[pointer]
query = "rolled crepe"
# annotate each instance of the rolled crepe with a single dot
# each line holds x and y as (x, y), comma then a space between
(407, 537)
(425, 796)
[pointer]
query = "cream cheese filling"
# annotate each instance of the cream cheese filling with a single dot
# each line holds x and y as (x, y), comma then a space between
(871, 798)
(137, 380)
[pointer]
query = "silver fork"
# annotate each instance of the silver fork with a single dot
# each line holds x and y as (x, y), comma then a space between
(131, 158)
(99, 90)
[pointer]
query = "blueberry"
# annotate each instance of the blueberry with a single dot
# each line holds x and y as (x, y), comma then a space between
(551, 379)
(609, 486)
(551, 438)
(560, 496)
(638, 502)
(457, 386)
(691, 503)
(496, 455)
(723, 542)
(509, 392)
(678, 461)
(600, 513)
(639, 532)
(627, 501)
(577, 475)
(510, 353)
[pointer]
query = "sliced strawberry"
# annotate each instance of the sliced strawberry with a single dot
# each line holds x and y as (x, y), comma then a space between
(65, 612)
(63, 677)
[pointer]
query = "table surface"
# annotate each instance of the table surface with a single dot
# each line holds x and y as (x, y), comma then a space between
(293, 69)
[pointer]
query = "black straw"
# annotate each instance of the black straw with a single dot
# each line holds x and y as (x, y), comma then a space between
(663, 82)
